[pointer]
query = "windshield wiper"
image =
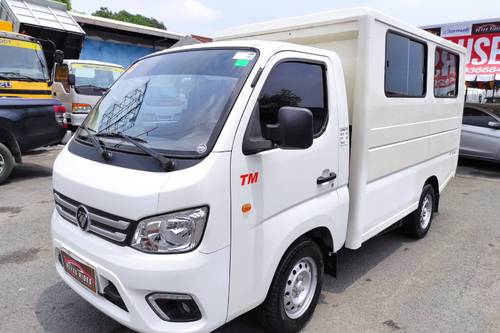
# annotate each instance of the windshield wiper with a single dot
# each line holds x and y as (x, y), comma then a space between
(119, 135)
(100, 147)
(166, 163)
(18, 76)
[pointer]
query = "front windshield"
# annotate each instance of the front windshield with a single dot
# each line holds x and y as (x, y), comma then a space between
(93, 75)
(177, 101)
(21, 60)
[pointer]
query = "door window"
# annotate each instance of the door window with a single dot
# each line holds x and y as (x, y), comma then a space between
(296, 84)
(475, 117)
(61, 75)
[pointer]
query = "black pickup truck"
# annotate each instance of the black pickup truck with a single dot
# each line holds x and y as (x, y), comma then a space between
(27, 124)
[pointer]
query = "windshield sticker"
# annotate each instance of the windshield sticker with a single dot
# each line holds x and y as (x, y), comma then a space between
(201, 149)
(99, 67)
(20, 43)
(241, 63)
(244, 56)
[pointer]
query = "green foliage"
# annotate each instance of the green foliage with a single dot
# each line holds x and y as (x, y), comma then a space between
(125, 16)
(284, 97)
(67, 2)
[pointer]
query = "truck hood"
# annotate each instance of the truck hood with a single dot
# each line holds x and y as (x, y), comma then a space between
(134, 194)
(108, 188)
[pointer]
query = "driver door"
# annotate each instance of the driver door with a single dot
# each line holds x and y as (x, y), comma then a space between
(281, 186)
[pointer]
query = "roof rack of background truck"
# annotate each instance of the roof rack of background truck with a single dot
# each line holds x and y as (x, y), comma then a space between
(45, 20)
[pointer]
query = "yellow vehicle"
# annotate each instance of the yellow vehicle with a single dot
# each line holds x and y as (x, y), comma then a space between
(23, 68)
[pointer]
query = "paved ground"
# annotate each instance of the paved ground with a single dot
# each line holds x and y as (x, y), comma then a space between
(447, 282)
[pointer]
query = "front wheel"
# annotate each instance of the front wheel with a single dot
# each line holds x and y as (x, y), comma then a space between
(295, 288)
(6, 163)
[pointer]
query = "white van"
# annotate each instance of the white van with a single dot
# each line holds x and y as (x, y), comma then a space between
(475, 95)
(79, 84)
(276, 156)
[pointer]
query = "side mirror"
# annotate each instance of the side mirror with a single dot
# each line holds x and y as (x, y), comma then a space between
(71, 79)
(294, 129)
(58, 57)
(494, 124)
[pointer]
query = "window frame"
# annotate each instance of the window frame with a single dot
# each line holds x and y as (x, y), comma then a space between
(218, 129)
(426, 63)
(458, 72)
(324, 67)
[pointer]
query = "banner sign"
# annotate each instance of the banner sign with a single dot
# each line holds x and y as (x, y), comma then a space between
(482, 41)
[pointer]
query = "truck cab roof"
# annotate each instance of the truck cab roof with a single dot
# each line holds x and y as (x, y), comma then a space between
(17, 36)
(89, 62)
(265, 48)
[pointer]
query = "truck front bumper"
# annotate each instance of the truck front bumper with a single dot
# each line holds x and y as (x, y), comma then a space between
(205, 277)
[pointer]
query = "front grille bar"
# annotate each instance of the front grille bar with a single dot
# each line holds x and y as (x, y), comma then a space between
(63, 206)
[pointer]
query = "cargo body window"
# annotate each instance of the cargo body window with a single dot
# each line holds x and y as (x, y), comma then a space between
(445, 74)
(405, 66)
(295, 84)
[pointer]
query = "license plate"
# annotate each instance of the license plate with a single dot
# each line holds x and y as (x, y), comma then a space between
(79, 270)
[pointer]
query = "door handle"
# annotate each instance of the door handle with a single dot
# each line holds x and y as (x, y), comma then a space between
(325, 179)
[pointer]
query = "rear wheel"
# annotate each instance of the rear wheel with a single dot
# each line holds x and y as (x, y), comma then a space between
(6, 163)
(417, 224)
(295, 289)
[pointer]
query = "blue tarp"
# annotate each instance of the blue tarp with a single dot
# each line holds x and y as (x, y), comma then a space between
(116, 53)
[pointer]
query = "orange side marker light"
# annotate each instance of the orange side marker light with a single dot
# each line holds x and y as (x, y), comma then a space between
(246, 208)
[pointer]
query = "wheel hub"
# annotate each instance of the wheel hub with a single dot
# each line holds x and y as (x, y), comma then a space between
(2, 163)
(300, 288)
(426, 212)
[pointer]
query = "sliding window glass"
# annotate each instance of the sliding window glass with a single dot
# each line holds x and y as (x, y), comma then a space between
(445, 74)
(405, 66)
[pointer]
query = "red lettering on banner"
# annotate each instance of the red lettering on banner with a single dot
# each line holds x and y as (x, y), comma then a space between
(483, 52)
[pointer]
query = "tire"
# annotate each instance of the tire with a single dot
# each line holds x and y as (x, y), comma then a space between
(6, 163)
(418, 223)
(287, 309)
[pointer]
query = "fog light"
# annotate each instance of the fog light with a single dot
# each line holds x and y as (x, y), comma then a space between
(174, 307)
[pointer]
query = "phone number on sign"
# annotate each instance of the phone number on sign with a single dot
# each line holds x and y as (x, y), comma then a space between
(483, 70)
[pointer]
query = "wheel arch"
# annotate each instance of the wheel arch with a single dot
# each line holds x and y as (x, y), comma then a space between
(322, 236)
(434, 182)
(9, 140)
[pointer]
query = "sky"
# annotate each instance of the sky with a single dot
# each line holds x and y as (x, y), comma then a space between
(204, 17)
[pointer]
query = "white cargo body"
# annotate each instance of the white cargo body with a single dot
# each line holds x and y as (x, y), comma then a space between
(213, 179)
(394, 141)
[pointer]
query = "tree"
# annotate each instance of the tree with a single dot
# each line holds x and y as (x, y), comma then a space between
(125, 16)
(66, 2)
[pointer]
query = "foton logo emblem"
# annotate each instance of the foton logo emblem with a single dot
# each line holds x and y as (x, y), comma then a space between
(249, 178)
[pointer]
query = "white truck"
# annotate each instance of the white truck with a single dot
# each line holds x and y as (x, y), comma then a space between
(276, 156)
(79, 84)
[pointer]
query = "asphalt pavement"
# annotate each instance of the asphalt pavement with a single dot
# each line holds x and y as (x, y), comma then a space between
(447, 282)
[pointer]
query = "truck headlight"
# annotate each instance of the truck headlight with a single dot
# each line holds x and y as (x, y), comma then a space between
(171, 233)
(81, 108)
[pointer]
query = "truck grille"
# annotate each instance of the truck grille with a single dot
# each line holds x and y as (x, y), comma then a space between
(102, 224)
